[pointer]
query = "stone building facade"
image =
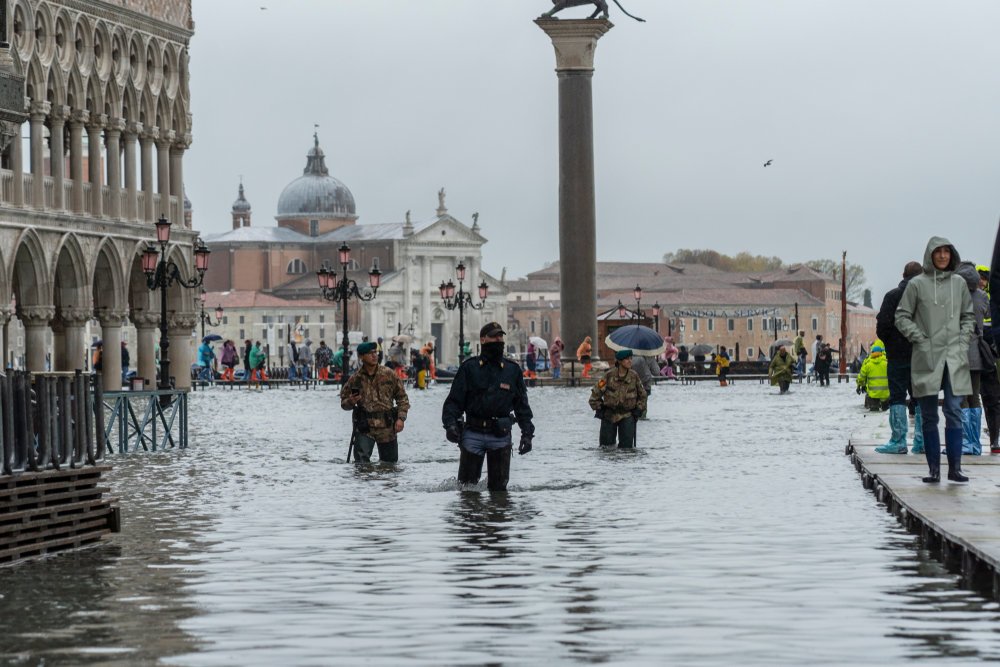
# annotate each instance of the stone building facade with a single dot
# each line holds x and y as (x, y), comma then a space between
(100, 158)
(316, 214)
(701, 305)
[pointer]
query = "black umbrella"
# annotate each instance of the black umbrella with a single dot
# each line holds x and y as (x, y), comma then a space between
(700, 349)
(97, 343)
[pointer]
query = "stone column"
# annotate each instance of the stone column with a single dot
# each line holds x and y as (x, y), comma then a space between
(36, 324)
(112, 136)
(5, 315)
(76, 124)
(181, 325)
(57, 150)
(148, 333)
(177, 172)
(94, 142)
(132, 132)
(17, 170)
(163, 173)
(146, 148)
(39, 110)
(575, 42)
(71, 354)
(425, 298)
(111, 359)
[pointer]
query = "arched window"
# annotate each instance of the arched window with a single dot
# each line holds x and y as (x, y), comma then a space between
(296, 267)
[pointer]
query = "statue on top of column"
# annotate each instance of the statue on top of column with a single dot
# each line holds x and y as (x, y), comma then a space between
(601, 9)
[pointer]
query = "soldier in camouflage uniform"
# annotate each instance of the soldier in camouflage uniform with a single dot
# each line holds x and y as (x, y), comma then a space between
(618, 399)
(380, 405)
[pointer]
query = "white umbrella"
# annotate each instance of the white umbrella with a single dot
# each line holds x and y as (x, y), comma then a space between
(538, 342)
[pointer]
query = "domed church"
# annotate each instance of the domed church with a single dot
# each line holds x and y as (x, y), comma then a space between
(265, 277)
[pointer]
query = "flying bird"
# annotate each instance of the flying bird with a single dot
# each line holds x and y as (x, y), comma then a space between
(768, 163)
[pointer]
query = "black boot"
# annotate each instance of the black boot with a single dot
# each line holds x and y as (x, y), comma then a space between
(498, 471)
(953, 445)
(470, 467)
(932, 451)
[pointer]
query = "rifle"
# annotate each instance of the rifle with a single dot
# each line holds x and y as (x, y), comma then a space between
(354, 437)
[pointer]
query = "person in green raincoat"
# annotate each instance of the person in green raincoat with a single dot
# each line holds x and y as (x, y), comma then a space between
(781, 369)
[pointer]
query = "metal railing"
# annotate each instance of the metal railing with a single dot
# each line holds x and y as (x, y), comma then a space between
(144, 419)
(48, 421)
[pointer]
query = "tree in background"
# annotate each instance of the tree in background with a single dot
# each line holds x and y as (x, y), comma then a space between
(744, 261)
(855, 276)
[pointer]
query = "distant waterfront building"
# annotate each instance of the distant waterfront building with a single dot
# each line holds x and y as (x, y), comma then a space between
(699, 304)
(316, 214)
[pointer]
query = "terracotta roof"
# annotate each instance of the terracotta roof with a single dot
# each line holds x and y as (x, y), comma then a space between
(714, 297)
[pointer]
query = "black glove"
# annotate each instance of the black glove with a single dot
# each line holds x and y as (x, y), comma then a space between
(858, 391)
(636, 413)
(599, 413)
(525, 445)
(454, 433)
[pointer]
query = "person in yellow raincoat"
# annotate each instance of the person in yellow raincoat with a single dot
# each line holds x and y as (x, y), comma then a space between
(873, 378)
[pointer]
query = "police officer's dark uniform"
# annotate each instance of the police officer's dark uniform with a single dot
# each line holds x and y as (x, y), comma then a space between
(489, 390)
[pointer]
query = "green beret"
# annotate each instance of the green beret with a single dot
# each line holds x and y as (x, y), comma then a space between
(621, 355)
(365, 348)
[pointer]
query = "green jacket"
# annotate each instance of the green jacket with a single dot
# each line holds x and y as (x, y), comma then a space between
(935, 315)
(874, 376)
(257, 357)
(618, 396)
(780, 369)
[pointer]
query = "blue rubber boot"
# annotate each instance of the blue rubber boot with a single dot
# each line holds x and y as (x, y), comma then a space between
(918, 433)
(972, 429)
(932, 445)
(953, 445)
(897, 422)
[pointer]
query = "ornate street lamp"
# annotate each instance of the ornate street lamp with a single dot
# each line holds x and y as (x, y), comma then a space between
(161, 273)
(341, 291)
(656, 316)
(461, 300)
(206, 318)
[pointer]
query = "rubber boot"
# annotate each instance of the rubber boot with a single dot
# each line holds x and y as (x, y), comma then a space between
(898, 424)
(470, 467)
(364, 445)
(932, 450)
(972, 428)
(953, 445)
(388, 452)
(918, 433)
(498, 470)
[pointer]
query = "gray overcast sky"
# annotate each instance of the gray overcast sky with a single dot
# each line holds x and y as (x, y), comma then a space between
(880, 116)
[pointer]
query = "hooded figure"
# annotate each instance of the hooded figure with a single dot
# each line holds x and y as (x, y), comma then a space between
(935, 315)
(972, 407)
(873, 378)
(555, 357)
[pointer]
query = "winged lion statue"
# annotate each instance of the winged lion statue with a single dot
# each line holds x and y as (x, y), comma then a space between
(600, 8)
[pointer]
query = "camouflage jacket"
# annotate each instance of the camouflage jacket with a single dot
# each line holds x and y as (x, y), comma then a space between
(618, 396)
(381, 393)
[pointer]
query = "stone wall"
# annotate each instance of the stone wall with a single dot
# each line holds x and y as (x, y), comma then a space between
(175, 12)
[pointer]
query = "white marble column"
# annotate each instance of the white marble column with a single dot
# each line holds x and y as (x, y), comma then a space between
(57, 154)
(163, 174)
(76, 124)
(132, 132)
(5, 315)
(111, 358)
(425, 298)
(112, 138)
(39, 110)
(177, 173)
(146, 148)
(36, 321)
(72, 352)
(94, 130)
(17, 170)
(148, 333)
(181, 326)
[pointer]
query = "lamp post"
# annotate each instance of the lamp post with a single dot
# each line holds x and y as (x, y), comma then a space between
(656, 316)
(341, 291)
(161, 273)
(206, 318)
(461, 300)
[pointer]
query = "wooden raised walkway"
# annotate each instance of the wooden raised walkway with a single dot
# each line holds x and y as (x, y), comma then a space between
(958, 523)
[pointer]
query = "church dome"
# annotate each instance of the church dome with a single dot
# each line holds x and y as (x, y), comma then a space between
(316, 194)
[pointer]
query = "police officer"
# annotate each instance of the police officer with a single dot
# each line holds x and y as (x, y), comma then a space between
(489, 390)
(380, 405)
(618, 400)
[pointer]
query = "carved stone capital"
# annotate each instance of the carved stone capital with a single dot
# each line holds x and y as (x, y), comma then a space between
(182, 322)
(145, 320)
(151, 132)
(74, 316)
(60, 113)
(36, 316)
(115, 125)
(5, 314)
(97, 122)
(575, 41)
(109, 317)
(166, 138)
(39, 110)
(134, 129)
(79, 117)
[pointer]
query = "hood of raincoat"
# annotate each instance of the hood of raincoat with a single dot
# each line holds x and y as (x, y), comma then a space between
(968, 271)
(932, 245)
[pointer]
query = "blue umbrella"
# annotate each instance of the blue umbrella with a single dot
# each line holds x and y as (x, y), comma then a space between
(641, 340)
(211, 338)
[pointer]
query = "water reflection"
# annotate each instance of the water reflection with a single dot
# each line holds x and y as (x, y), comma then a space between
(489, 523)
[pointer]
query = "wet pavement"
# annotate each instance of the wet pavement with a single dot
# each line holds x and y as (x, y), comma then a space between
(738, 533)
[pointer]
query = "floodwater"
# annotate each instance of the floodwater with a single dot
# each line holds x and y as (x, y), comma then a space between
(738, 533)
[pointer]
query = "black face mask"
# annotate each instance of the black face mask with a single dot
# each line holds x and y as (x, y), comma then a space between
(493, 351)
